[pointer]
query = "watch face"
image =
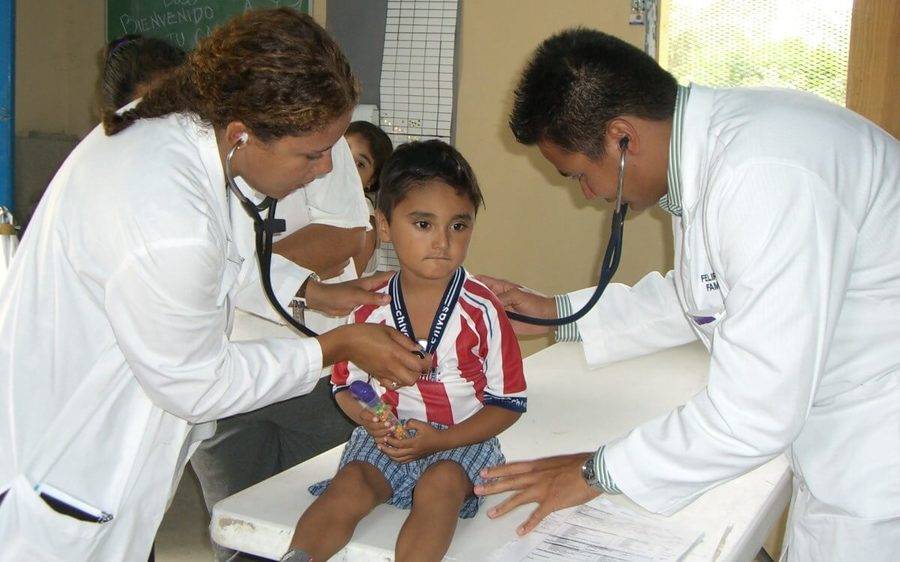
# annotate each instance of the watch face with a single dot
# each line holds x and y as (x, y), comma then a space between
(587, 470)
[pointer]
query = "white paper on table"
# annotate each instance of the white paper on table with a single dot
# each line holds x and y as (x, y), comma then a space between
(598, 531)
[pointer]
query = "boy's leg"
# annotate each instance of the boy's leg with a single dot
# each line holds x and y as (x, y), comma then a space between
(437, 499)
(248, 448)
(327, 525)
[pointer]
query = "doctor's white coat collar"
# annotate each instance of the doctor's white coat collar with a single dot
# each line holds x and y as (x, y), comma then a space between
(208, 150)
(671, 201)
(688, 169)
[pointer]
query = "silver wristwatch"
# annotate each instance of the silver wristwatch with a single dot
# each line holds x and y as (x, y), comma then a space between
(298, 304)
(589, 473)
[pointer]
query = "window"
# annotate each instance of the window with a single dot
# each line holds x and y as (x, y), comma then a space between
(799, 44)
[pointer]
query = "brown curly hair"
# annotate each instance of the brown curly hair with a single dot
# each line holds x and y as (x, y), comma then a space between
(277, 71)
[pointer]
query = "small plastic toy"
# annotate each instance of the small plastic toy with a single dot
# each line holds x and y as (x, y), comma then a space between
(366, 395)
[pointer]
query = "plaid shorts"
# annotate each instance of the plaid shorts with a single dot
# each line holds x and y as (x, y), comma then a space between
(402, 478)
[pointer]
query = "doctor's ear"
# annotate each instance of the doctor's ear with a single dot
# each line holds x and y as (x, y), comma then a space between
(237, 134)
(620, 136)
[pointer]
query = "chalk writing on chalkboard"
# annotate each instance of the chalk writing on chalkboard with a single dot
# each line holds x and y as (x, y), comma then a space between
(181, 22)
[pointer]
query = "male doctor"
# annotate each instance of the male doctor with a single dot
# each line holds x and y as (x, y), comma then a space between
(786, 216)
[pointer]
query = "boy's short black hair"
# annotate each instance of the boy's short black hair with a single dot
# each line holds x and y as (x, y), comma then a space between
(415, 163)
(379, 144)
(579, 80)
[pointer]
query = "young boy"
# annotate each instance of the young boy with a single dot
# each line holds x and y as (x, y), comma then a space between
(476, 389)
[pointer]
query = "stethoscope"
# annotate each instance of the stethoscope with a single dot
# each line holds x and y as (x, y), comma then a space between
(610, 260)
(267, 228)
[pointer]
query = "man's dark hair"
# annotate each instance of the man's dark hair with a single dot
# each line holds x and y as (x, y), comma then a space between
(579, 80)
(419, 162)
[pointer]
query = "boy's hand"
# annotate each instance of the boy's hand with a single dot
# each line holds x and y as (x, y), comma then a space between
(427, 440)
(375, 427)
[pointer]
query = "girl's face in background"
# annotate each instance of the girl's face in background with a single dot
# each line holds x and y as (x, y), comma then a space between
(365, 162)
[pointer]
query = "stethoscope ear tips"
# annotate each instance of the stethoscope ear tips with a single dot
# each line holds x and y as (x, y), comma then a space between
(623, 144)
(244, 138)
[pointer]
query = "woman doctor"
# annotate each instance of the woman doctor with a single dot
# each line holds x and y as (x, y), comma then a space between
(114, 319)
(786, 216)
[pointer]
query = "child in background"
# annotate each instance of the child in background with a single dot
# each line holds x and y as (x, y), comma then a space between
(475, 390)
(371, 147)
(132, 65)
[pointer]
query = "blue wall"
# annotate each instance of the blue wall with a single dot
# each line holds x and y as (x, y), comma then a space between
(7, 111)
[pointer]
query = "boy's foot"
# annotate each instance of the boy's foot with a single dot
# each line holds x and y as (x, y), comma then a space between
(294, 555)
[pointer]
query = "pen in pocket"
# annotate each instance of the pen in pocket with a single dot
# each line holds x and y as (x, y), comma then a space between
(65, 504)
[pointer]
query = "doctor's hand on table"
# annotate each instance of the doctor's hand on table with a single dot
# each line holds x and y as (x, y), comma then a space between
(554, 483)
(523, 300)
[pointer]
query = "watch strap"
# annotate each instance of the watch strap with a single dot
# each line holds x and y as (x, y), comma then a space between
(596, 473)
(298, 303)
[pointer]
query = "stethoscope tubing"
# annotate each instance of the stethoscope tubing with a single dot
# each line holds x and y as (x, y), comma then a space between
(610, 258)
(607, 270)
(265, 239)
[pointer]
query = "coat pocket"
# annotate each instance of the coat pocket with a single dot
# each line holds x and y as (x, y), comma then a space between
(32, 530)
(817, 531)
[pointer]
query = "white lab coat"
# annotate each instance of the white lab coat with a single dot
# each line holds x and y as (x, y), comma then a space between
(114, 340)
(787, 266)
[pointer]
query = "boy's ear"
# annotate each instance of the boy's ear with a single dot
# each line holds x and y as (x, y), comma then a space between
(381, 224)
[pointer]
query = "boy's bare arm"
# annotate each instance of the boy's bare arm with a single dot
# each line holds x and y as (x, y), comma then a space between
(349, 406)
(488, 422)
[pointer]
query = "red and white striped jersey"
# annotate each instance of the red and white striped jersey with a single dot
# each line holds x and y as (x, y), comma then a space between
(477, 362)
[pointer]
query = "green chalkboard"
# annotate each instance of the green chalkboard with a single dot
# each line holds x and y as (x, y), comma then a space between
(181, 22)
